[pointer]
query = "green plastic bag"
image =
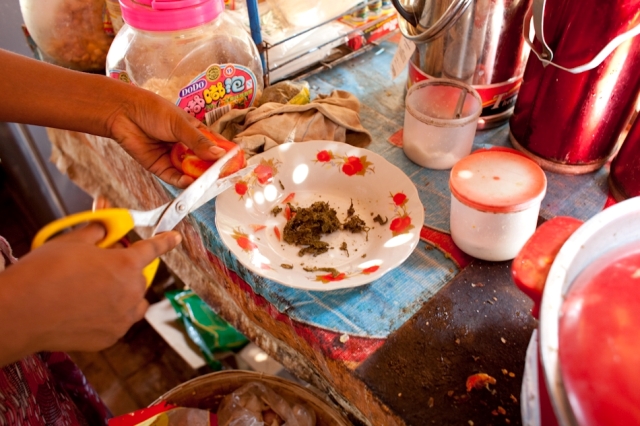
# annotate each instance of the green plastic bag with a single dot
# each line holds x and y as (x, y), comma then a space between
(204, 327)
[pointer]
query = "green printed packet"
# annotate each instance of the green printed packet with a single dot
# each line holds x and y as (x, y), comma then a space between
(204, 327)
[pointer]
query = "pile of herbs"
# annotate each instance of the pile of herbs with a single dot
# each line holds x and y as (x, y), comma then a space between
(307, 225)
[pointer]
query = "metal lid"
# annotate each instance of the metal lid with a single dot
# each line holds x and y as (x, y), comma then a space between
(498, 180)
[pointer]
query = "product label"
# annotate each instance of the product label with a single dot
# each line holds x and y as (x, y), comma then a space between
(496, 98)
(400, 60)
(120, 75)
(221, 85)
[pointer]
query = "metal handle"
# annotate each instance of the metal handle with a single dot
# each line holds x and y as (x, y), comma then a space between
(536, 13)
(415, 32)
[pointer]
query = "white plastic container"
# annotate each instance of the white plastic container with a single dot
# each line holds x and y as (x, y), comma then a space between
(495, 202)
(440, 122)
(188, 51)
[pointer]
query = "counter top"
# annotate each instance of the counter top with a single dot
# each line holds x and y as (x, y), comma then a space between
(396, 351)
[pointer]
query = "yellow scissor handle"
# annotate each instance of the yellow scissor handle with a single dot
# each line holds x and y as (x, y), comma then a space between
(117, 222)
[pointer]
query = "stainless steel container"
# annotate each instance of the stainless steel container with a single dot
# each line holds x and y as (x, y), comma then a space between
(478, 42)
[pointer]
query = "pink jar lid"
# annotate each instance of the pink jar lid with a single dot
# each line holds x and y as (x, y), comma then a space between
(169, 15)
(497, 180)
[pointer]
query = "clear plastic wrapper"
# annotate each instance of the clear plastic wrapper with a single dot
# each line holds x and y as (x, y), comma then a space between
(256, 404)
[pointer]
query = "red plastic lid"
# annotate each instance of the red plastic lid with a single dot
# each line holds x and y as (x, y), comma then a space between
(497, 180)
(599, 340)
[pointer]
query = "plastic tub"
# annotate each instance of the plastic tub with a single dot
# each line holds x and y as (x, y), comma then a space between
(440, 122)
(495, 202)
(206, 392)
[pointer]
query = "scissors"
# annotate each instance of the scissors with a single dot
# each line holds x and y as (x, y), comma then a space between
(119, 221)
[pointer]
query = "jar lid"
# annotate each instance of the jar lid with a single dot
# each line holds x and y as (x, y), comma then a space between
(498, 180)
(598, 340)
(169, 15)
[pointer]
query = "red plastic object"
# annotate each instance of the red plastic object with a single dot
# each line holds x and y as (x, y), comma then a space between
(531, 266)
(624, 178)
(599, 345)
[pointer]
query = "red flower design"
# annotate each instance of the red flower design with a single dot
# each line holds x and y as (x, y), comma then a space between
(399, 198)
(263, 173)
(246, 244)
(371, 269)
(241, 188)
(352, 166)
(323, 156)
(399, 224)
(331, 278)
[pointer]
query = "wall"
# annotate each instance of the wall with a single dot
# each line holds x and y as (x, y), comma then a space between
(12, 38)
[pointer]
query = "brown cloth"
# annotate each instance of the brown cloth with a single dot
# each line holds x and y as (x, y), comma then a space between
(333, 118)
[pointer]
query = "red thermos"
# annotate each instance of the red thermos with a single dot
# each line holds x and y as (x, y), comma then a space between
(624, 176)
(580, 84)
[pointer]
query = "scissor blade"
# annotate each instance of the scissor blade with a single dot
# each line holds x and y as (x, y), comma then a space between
(149, 217)
(222, 185)
(183, 203)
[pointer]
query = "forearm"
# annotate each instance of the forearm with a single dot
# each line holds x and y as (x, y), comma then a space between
(16, 321)
(35, 92)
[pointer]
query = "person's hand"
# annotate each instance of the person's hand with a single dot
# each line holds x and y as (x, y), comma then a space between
(146, 128)
(69, 294)
(143, 123)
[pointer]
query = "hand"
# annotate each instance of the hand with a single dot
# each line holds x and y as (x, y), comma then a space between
(144, 124)
(143, 128)
(71, 295)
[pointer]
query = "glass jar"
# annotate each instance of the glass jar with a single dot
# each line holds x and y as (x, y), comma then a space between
(190, 52)
(70, 33)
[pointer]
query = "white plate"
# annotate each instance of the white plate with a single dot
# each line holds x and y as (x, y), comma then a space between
(339, 174)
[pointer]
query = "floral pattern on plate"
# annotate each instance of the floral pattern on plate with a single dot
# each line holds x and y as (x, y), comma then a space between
(349, 165)
(263, 173)
(299, 174)
(401, 223)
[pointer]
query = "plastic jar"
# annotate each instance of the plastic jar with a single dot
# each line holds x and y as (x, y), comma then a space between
(71, 33)
(440, 122)
(189, 52)
(495, 202)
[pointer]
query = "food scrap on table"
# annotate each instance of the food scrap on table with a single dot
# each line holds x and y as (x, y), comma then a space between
(479, 380)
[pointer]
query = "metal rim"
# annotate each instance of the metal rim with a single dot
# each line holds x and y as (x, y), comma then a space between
(415, 32)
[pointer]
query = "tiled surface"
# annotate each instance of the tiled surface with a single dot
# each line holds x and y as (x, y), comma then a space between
(135, 371)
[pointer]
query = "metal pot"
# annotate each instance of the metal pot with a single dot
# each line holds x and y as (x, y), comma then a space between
(477, 42)
(583, 364)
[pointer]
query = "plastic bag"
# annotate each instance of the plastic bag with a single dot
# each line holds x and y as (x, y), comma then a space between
(255, 404)
(207, 330)
(167, 415)
(283, 92)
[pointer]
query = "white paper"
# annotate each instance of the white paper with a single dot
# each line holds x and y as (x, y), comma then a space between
(402, 56)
